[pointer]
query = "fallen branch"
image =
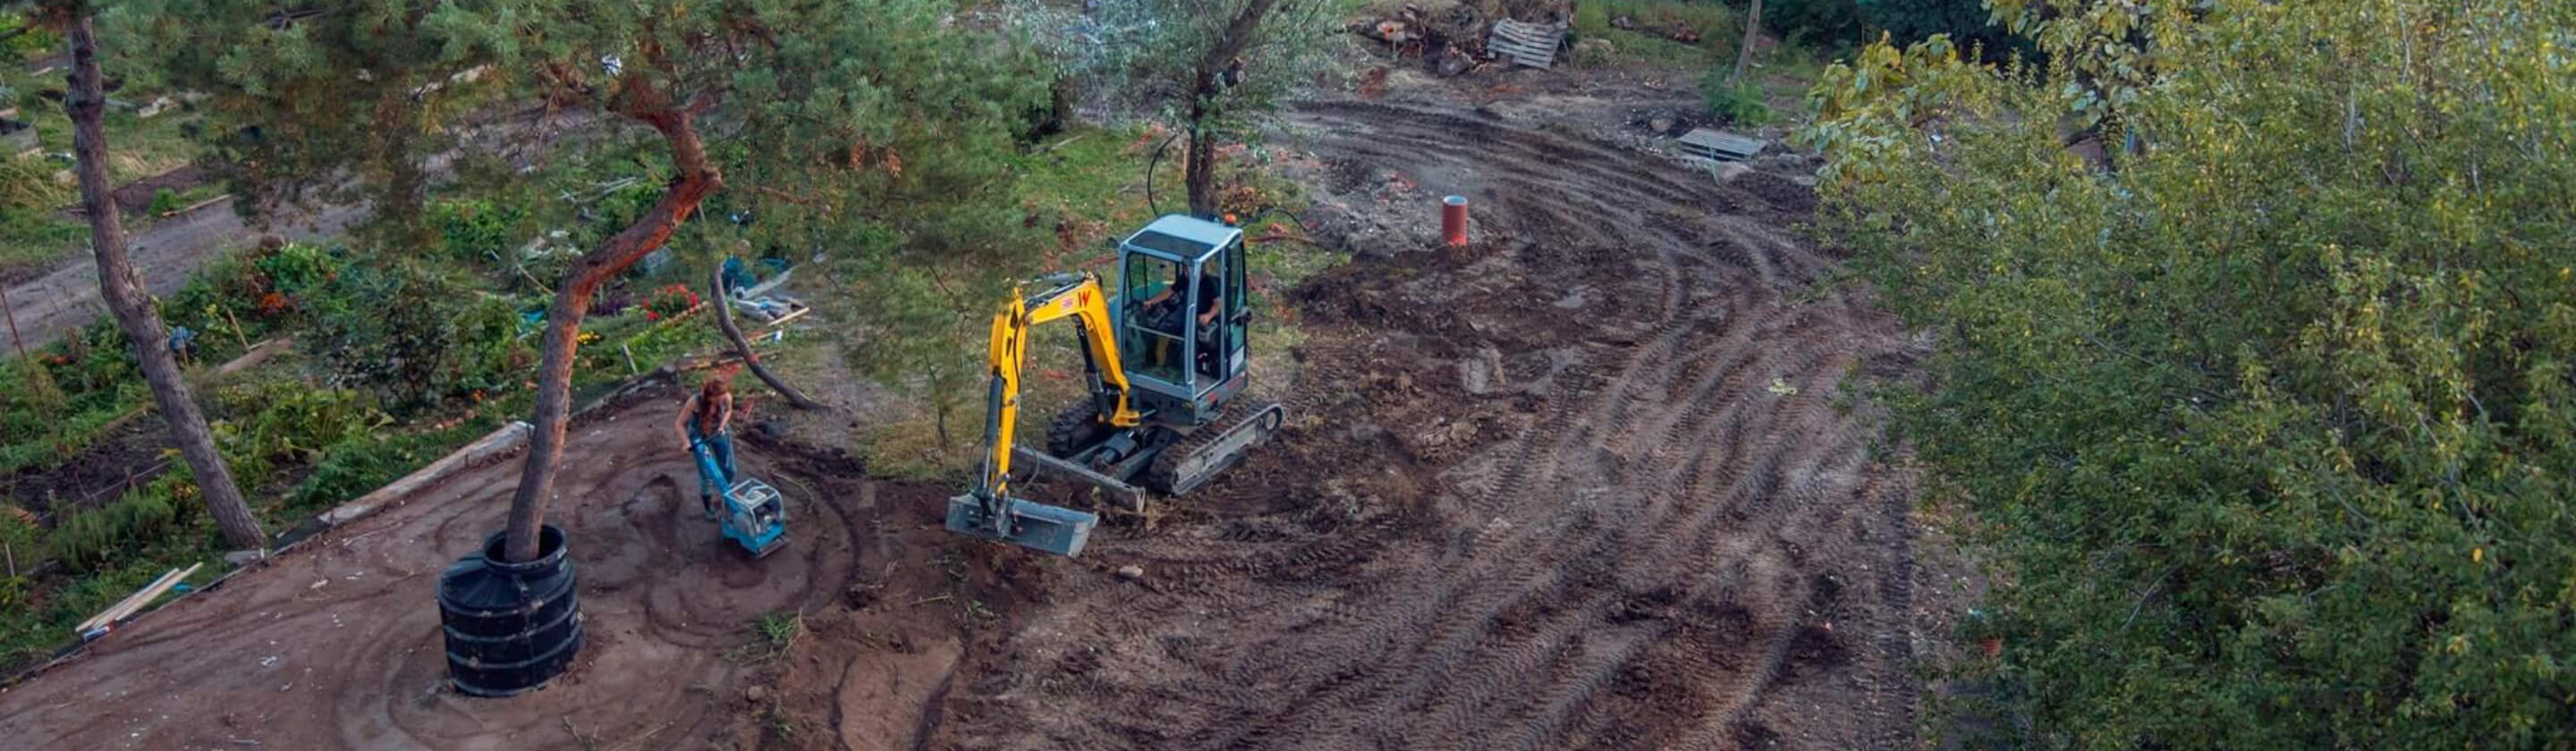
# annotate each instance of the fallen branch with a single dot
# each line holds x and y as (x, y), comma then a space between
(742, 348)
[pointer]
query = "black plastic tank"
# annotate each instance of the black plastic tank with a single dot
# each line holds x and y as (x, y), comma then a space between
(510, 627)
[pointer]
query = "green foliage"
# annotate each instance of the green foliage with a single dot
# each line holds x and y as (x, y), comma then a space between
(312, 121)
(415, 335)
(360, 464)
(285, 422)
(1739, 104)
(479, 231)
(89, 540)
(24, 42)
(2265, 427)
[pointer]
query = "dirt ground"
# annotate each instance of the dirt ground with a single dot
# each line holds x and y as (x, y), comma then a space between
(1592, 482)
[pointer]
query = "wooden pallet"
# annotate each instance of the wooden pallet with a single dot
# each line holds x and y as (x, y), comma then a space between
(1528, 44)
(1719, 146)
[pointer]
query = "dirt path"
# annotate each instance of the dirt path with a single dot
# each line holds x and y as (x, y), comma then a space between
(1583, 486)
(337, 645)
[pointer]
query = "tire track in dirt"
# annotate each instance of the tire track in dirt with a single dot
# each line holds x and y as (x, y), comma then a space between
(1651, 550)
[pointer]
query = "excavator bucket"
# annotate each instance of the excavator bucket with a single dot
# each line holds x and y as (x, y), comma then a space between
(1028, 524)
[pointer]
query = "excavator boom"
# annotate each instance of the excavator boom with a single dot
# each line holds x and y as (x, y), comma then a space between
(989, 510)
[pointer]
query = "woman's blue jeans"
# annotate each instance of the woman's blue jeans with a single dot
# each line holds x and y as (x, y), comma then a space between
(720, 449)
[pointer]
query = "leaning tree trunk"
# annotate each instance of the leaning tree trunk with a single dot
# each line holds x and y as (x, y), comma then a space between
(742, 347)
(644, 101)
(1199, 166)
(1744, 52)
(134, 309)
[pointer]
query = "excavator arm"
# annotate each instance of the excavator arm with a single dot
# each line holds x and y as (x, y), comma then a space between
(1070, 295)
(988, 510)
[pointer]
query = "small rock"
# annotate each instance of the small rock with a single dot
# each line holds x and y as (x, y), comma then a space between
(1661, 123)
(756, 694)
(245, 557)
(1131, 572)
(1728, 171)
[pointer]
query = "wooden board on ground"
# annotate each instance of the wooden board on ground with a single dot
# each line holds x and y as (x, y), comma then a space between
(126, 608)
(1529, 44)
(1719, 145)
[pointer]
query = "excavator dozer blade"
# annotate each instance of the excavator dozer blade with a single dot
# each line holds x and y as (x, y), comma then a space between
(1032, 525)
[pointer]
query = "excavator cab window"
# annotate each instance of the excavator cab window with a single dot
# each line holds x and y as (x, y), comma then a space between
(1154, 329)
(1237, 317)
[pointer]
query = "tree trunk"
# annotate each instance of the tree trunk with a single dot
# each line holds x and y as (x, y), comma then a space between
(698, 177)
(1199, 166)
(134, 308)
(724, 320)
(1744, 52)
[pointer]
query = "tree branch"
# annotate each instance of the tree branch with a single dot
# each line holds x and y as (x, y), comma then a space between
(742, 347)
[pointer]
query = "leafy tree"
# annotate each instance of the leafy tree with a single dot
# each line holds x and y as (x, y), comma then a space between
(1213, 62)
(2268, 432)
(122, 288)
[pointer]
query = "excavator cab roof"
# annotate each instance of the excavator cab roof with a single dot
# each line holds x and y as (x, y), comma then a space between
(1181, 237)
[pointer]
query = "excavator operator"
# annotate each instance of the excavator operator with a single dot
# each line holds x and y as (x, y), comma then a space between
(1161, 309)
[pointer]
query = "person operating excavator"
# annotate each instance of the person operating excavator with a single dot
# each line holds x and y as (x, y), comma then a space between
(1211, 298)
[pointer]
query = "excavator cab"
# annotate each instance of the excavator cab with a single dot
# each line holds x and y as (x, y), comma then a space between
(1166, 356)
(1183, 317)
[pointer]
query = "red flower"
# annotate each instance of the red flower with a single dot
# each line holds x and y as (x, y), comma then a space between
(650, 316)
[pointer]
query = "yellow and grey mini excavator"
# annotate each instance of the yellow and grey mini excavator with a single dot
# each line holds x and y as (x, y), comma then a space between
(1165, 360)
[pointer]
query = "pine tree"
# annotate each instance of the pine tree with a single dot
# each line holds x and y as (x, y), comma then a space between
(122, 288)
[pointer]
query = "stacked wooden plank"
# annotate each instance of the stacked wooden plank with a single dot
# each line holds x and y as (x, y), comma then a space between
(1529, 44)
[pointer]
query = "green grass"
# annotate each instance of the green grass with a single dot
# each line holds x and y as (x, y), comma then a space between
(1719, 28)
(137, 147)
(36, 239)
